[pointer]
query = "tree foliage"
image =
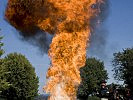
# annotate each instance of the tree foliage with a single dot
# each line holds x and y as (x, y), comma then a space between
(22, 78)
(3, 83)
(123, 66)
(91, 74)
(1, 44)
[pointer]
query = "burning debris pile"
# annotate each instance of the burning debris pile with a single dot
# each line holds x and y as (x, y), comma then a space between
(70, 22)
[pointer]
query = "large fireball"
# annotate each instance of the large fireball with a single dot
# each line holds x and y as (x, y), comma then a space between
(70, 21)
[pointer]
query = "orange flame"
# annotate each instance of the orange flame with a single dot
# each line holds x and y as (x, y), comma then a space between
(70, 21)
(68, 48)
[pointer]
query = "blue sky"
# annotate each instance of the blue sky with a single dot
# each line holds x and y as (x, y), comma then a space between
(120, 35)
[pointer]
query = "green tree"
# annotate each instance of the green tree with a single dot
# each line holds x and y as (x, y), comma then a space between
(91, 74)
(3, 83)
(123, 66)
(22, 77)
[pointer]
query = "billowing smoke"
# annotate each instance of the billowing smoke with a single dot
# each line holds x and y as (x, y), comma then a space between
(41, 39)
(25, 16)
(99, 35)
